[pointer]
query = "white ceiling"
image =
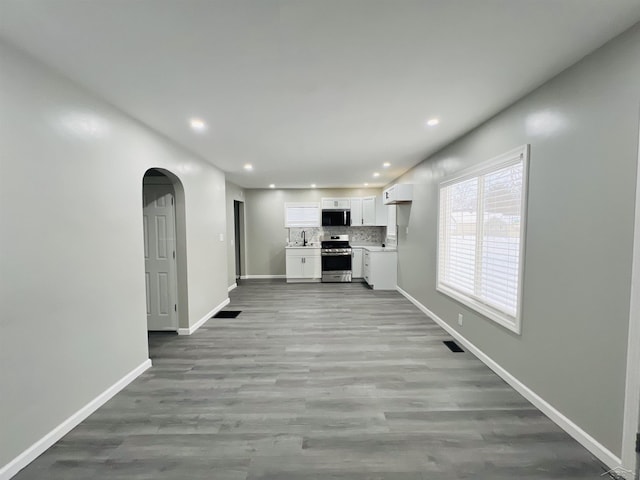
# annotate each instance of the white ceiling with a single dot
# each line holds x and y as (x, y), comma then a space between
(312, 91)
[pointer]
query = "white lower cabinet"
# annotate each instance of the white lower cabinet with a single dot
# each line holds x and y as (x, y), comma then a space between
(356, 263)
(303, 264)
(380, 269)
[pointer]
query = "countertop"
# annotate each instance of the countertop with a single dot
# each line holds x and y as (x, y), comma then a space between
(371, 248)
(378, 248)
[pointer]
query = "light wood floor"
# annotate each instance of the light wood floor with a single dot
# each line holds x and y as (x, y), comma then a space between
(322, 381)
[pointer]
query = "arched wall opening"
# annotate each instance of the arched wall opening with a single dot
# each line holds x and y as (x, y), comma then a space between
(154, 178)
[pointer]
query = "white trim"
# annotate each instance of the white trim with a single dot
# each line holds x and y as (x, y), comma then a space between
(232, 287)
(199, 323)
(582, 437)
(486, 166)
(39, 447)
(260, 277)
(632, 391)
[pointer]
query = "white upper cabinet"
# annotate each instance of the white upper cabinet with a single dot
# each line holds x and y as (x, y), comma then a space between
(373, 212)
(398, 193)
(391, 221)
(330, 203)
(301, 214)
(368, 211)
(356, 212)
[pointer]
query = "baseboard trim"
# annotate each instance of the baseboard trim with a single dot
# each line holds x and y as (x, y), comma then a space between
(259, 277)
(199, 323)
(582, 437)
(39, 447)
(232, 287)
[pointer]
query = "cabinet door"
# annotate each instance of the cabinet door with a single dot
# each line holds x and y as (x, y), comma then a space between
(369, 211)
(295, 266)
(329, 203)
(312, 267)
(381, 212)
(356, 262)
(366, 268)
(391, 221)
(356, 212)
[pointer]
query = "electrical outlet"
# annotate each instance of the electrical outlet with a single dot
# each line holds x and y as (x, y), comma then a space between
(460, 319)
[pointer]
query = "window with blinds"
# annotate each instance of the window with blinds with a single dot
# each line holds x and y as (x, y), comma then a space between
(481, 224)
(301, 214)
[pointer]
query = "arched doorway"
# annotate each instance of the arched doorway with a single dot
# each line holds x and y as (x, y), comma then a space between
(164, 250)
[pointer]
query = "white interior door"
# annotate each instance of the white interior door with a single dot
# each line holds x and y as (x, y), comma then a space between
(160, 257)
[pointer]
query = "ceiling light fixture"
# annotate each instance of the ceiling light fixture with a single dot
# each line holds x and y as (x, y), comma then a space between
(366, 184)
(248, 167)
(272, 186)
(386, 164)
(432, 122)
(376, 174)
(313, 185)
(198, 125)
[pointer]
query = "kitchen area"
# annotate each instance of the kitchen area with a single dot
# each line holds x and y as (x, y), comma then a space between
(346, 239)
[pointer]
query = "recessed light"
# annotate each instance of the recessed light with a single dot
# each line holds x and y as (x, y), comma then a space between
(432, 122)
(272, 186)
(366, 184)
(376, 174)
(386, 164)
(248, 167)
(198, 124)
(313, 185)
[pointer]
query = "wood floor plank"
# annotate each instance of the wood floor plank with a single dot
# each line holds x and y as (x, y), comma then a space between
(315, 381)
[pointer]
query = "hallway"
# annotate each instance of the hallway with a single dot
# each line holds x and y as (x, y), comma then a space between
(315, 381)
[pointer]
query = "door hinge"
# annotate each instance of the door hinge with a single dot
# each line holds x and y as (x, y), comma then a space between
(175, 307)
(171, 200)
(174, 254)
(637, 442)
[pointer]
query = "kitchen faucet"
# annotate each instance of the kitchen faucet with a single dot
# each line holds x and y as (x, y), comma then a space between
(304, 238)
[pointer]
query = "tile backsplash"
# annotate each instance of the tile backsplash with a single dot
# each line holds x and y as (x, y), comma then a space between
(364, 235)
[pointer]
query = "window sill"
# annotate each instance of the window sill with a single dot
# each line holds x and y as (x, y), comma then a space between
(502, 319)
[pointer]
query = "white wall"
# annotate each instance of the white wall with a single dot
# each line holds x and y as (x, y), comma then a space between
(583, 131)
(71, 255)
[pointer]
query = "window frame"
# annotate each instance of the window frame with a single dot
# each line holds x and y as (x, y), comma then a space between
(512, 157)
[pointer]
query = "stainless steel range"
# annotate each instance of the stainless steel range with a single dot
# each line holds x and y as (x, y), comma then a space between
(336, 258)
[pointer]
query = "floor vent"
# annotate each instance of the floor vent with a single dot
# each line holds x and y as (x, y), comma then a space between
(453, 346)
(227, 314)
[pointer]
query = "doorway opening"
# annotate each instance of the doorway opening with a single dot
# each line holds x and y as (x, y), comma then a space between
(164, 250)
(238, 222)
(631, 427)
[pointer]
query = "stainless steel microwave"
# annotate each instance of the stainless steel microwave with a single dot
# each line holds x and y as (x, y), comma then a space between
(336, 218)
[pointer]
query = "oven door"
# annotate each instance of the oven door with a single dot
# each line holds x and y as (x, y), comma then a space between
(336, 267)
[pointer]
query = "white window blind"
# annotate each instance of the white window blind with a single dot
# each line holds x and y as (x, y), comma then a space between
(301, 214)
(481, 237)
